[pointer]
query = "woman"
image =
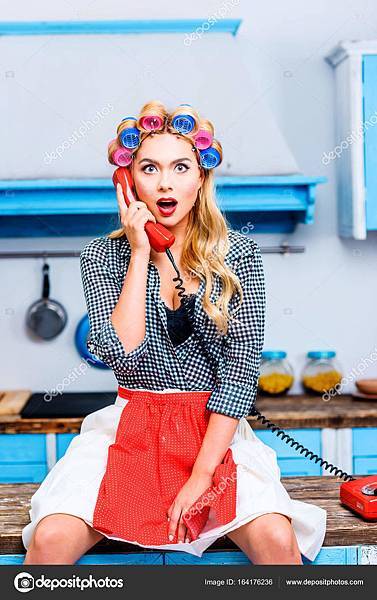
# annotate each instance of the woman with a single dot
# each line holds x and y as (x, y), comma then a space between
(173, 463)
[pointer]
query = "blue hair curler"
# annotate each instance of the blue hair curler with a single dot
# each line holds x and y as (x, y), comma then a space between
(129, 119)
(209, 158)
(183, 123)
(130, 137)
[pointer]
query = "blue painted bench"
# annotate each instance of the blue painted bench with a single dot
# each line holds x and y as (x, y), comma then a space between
(349, 539)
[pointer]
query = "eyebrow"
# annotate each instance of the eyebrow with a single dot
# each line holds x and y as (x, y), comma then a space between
(157, 163)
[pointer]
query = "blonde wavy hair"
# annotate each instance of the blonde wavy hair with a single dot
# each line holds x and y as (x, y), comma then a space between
(206, 242)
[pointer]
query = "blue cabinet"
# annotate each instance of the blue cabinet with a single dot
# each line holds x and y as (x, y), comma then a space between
(62, 442)
(355, 149)
(23, 457)
(290, 461)
(370, 137)
(364, 444)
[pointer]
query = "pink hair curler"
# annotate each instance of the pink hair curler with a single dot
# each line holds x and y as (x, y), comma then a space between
(203, 139)
(122, 157)
(151, 122)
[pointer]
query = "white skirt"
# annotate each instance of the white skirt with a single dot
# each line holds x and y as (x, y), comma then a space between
(72, 486)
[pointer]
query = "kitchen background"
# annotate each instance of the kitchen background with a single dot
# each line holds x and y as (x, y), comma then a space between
(282, 93)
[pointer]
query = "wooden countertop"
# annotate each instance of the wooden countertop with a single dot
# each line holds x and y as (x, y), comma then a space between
(344, 528)
(300, 410)
(293, 411)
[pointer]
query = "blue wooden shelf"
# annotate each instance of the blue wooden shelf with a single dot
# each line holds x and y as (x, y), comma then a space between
(88, 206)
(116, 27)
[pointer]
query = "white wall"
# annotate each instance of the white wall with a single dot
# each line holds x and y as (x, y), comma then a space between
(323, 298)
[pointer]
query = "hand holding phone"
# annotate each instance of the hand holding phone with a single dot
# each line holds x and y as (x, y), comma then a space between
(133, 220)
(159, 237)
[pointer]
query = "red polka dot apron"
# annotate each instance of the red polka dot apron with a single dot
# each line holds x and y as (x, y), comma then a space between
(158, 438)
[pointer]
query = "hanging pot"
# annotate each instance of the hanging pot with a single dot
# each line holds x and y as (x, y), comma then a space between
(46, 318)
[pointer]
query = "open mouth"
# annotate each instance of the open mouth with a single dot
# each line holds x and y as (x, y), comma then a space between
(167, 207)
(167, 203)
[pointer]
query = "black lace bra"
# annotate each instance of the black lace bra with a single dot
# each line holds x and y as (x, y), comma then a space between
(179, 326)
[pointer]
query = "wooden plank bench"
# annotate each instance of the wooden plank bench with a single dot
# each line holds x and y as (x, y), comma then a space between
(349, 539)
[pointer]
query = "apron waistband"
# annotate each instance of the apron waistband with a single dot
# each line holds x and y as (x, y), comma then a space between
(168, 394)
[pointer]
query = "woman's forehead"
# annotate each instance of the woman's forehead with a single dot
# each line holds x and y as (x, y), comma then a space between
(165, 146)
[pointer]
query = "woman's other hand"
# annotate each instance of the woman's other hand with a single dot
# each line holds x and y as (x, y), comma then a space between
(194, 487)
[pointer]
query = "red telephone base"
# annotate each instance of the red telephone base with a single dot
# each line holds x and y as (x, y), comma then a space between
(360, 496)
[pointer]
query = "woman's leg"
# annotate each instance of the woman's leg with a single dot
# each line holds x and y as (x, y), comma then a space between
(268, 539)
(60, 539)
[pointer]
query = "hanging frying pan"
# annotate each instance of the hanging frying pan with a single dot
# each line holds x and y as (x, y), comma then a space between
(81, 337)
(46, 318)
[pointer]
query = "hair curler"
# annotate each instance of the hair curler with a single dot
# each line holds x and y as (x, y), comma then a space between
(129, 137)
(203, 139)
(122, 157)
(209, 158)
(151, 122)
(118, 155)
(184, 121)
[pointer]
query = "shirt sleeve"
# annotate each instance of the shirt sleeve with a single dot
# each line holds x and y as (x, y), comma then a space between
(102, 290)
(235, 391)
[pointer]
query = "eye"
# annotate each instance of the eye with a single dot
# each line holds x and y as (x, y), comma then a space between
(186, 168)
(147, 167)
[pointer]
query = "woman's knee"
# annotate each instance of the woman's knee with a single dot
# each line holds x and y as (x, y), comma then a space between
(269, 537)
(63, 530)
(279, 536)
(51, 530)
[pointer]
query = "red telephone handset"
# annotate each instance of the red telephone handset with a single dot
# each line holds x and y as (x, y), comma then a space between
(159, 237)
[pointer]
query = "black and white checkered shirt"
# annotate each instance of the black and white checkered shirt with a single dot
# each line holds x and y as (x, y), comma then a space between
(228, 366)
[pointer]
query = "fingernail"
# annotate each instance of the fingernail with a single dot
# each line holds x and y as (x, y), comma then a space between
(168, 518)
(180, 541)
(171, 537)
(187, 540)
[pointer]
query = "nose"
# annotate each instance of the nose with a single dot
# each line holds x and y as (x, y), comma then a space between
(164, 182)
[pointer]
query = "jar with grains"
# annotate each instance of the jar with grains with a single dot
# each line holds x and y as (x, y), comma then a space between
(276, 374)
(321, 372)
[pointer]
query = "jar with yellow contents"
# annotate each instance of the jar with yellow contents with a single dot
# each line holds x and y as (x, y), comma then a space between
(276, 374)
(321, 372)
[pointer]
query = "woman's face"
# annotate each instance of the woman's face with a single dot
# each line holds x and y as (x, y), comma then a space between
(166, 167)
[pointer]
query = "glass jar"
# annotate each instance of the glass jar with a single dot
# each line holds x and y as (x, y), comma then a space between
(321, 372)
(276, 374)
